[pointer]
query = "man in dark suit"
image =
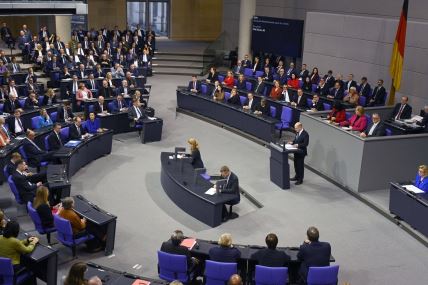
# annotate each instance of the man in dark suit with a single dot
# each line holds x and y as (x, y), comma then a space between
(34, 153)
(299, 101)
(260, 86)
(316, 104)
(105, 90)
(73, 86)
(378, 96)
(194, 85)
(15, 124)
(291, 70)
(31, 102)
(91, 83)
(336, 93)
(329, 79)
(303, 73)
(76, 129)
(322, 88)
(267, 75)
(26, 188)
(269, 256)
(14, 67)
(424, 121)
(246, 62)
(234, 98)
(64, 113)
(11, 164)
(119, 104)
(238, 69)
(11, 105)
(364, 87)
(135, 113)
(54, 139)
(313, 253)
(375, 129)
(301, 142)
(173, 246)
(402, 110)
(231, 188)
(100, 106)
(250, 104)
(350, 83)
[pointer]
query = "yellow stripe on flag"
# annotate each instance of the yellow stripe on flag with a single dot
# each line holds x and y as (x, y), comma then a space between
(396, 67)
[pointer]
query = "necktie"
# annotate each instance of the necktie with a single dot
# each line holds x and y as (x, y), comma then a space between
(20, 124)
(6, 132)
(194, 85)
(59, 45)
(74, 87)
(138, 112)
(14, 68)
(65, 114)
(120, 104)
(78, 130)
(59, 139)
(399, 112)
(93, 85)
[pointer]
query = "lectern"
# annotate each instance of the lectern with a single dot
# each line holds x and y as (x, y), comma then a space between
(279, 167)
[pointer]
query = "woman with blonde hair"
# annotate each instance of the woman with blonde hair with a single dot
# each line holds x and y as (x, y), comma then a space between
(225, 252)
(41, 205)
(421, 180)
(195, 154)
(50, 98)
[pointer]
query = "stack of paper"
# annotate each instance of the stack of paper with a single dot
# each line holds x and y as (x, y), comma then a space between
(413, 188)
(211, 191)
(290, 147)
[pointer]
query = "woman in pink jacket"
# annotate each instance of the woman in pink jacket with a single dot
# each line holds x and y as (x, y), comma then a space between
(358, 122)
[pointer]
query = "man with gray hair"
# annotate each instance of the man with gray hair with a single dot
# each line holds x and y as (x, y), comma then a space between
(375, 129)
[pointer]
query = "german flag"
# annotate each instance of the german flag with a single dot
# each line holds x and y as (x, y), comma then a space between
(396, 66)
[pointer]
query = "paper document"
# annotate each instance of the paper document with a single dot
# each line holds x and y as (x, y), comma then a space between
(290, 147)
(347, 128)
(211, 191)
(413, 188)
(152, 118)
(189, 243)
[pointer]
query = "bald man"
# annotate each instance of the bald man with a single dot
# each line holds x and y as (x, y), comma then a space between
(235, 279)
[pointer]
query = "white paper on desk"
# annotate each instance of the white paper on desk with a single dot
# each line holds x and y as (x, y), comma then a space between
(413, 188)
(211, 191)
(290, 147)
(347, 128)
(180, 156)
(152, 118)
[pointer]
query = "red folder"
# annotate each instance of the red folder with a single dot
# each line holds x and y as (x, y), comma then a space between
(189, 243)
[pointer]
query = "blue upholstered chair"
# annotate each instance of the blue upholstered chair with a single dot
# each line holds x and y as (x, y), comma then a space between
(46, 141)
(362, 101)
(272, 111)
(65, 134)
(173, 267)
(35, 122)
(38, 223)
(25, 156)
(8, 276)
(309, 102)
(14, 190)
(327, 106)
(326, 275)
(218, 273)
(286, 119)
(258, 73)
(65, 234)
(226, 96)
(243, 99)
(248, 72)
(204, 89)
(388, 132)
(249, 86)
(54, 116)
(271, 275)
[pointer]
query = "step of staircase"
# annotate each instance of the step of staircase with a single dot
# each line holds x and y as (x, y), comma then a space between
(175, 71)
(179, 54)
(195, 59)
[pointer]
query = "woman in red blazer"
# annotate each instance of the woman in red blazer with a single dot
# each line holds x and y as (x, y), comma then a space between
(229, 81)
(276, 91)
(337, 114)
(358, 122)
(293, 82)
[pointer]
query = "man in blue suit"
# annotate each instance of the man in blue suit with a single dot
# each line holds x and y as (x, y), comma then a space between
(313, 253)
(34, 153)
(119, 104)
(194, 85)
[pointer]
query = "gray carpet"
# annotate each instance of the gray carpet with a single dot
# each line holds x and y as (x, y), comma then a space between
(369, 248)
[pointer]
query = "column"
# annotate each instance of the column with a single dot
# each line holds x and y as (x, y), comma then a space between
(246, 13)
(63, 27)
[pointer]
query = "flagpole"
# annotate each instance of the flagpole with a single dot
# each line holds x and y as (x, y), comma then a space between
(391, 97)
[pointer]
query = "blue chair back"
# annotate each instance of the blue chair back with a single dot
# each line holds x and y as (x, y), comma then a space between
(204, 89)
(272, 111)
(287, 114)
(14, 190)
(21, 102)
(35, 122)
(258, 73)
(218, 273)
(65, 134)
(300, 83)
(309, 102)
(348, 115)
(388, 132)
(362, 101)
(5, 173)
(84, 124)
(226, 96)
(327, 106)
(35, 218)
(314, 87)
(271, 275)
(248, 72)
(91, 108)
(1, 107)
(384, 98)
(64, 231)
(23, 153)
(6, 271)
(220, 78)
(243, 99)
(46, 141)
(326, 275)
(172, 267)
(369, 120)
(54, 116)
(40, 100)
(265, 91)
(110, 106)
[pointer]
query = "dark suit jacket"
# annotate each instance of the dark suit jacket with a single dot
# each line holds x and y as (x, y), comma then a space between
(97, 107)
(302, 103)
(322, 91)
(54, 142)
(234, 100)
(313, 254)
(271, 257)
(196, 159)
(74, 134)
(329, 82)
(258, 88)
(34, 154)
(302, 141)
(46, 100)
(378, 95)
(318, 106)
(241, 85)
(353, 83)
(232, 187)
(10, 107)
(29, 104)
(198, 86)
(365, 91)
(26, 189)
(339, 95)
(105, 92)
(303, 74)
(224, 254)
(253, 104)
(405, 114)
(265, 110)
(379, 130)
(10, 167)
(60, 117)
(212, 77)
(116, 107)
(11, 124)
(132, 114)
(424, 122)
